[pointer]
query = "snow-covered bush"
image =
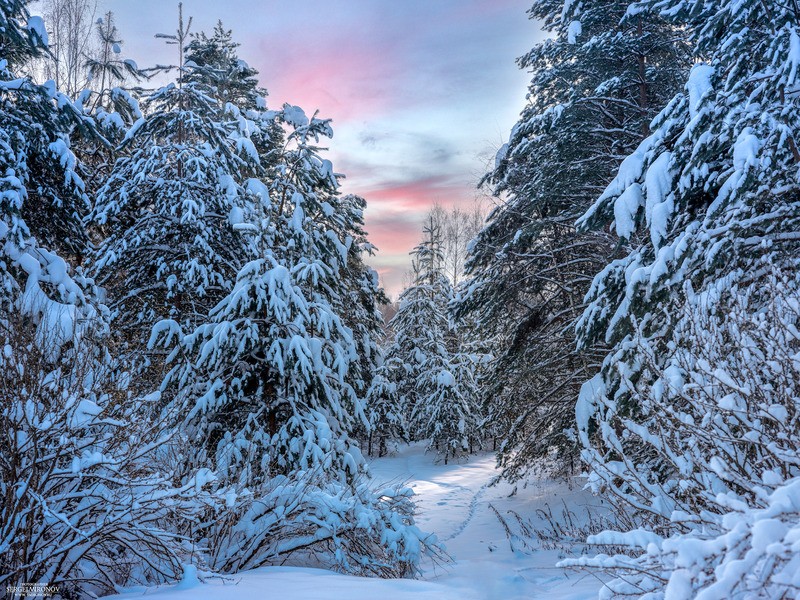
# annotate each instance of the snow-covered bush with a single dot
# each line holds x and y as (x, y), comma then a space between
(84, 502)
(717, 421)
(307, 518)
(78, 497)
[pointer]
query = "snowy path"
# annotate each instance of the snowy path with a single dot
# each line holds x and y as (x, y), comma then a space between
(454, 502)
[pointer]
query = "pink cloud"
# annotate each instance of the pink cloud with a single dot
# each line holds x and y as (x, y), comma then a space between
(337, 76)
(418, 196)
(393, 237)
(394, 219)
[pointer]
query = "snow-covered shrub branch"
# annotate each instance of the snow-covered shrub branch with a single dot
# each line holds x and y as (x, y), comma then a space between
(717, 424)
(84, 502)
(309, 519)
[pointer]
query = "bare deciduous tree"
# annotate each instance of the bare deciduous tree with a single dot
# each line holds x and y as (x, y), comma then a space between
(70, 29)
(458, 227)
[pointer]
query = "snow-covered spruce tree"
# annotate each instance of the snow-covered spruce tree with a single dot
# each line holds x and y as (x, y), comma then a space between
(42, 192)
(79, 499)
(596, 85)
(266, 385)
(447, 414)
(214, 62)
(386, 415)
(424, 388)
(293, 234)
(43, 197)
(442, 406)
(168, 249)
(165, 215)
(359, 303)
(692, 422)
(420, 323)
(394, 393)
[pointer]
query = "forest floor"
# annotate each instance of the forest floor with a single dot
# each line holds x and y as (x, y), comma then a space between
(492, 555)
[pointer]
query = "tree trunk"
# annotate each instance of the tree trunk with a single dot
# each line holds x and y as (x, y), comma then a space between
(643, 99)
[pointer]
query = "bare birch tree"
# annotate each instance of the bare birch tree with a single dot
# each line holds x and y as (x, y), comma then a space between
(70, 26)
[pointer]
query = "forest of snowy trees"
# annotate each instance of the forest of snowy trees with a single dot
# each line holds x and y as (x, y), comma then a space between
(194, 366)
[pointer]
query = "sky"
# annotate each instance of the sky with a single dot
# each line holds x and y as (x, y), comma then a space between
(422, 93)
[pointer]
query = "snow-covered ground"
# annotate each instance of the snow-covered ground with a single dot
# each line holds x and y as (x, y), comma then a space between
(455, 502)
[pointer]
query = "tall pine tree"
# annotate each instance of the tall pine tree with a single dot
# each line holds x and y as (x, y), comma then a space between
(596, 84)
